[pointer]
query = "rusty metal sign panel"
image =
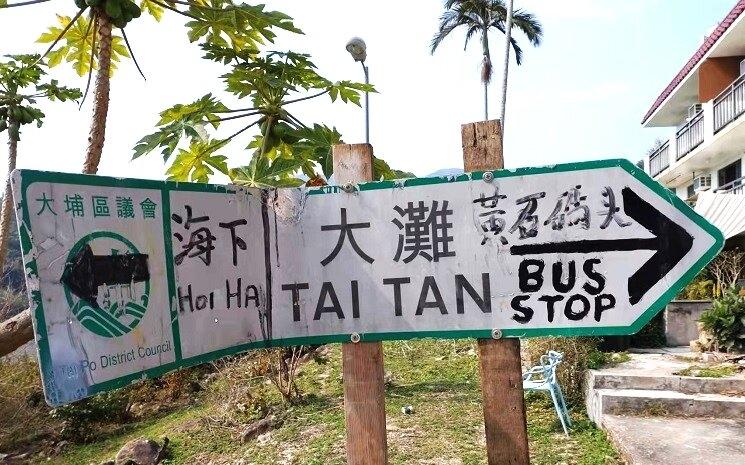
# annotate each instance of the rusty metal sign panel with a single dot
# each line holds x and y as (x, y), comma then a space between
(130, 278)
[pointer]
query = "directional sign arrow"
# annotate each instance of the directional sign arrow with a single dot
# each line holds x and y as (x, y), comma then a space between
(670, 242)
(86, 271)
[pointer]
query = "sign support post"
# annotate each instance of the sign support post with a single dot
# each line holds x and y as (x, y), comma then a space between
(499, 359)
(362, 362)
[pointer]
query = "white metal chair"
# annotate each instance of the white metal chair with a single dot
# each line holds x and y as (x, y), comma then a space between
(543, 378)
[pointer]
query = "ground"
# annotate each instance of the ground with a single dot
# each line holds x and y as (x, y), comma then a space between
(439, 379)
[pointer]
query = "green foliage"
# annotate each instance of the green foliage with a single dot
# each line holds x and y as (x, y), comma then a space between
(725, 321)
(597, 359)
(76, 45)
(241, 27)
(197, 163)
(77, 418)
(21, 86)
(721, 371)
(651, 335)
(701, 288)
(281, 146)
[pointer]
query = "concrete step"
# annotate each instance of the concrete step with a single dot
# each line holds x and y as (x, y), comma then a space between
(684, 384)
(679, 441)
(662, 403)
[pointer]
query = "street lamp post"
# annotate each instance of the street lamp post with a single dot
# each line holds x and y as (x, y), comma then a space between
(357, 48)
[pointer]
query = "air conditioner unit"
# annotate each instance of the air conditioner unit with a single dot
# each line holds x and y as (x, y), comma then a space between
(702, 183)
(742, 67)
(693, 110)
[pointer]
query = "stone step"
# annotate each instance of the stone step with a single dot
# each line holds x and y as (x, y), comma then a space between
(662, 403)
(683, 384)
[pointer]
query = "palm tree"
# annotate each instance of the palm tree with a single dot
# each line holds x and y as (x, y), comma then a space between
(477, 17)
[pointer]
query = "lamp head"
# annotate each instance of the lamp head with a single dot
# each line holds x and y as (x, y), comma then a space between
(357, 48)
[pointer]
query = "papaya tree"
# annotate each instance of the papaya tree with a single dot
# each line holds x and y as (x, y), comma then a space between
(86, 41)
(281, 147)
(22, 83)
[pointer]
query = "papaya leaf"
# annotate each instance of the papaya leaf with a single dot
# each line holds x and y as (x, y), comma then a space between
(152, 8)
(178, 122)
(198, 162)
(75, 46)
(262, 172)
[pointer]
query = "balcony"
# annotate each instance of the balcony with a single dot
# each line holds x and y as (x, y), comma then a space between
(734, 187)
(690, 136)
(710, 139)
(659, 160)
(729, 105)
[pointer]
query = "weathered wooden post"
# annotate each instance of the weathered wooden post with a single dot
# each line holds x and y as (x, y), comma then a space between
(362, 362)
(499, 359)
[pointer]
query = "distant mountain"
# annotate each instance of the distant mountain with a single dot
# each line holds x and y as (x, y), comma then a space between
(446, 172)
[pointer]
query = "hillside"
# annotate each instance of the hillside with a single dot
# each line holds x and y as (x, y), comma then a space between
(204, 411)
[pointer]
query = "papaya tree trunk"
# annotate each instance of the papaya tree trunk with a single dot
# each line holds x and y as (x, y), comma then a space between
(15, 331)
(6, 214)
(18, 330)
(100, 96)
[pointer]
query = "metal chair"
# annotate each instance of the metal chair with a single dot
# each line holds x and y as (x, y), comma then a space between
(543, 378)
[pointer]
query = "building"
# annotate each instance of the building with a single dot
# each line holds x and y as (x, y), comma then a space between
(704, 107)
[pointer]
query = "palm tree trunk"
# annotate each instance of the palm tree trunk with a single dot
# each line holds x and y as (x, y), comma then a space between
(486, 101)
(100, 96)
(6, 215)
(486, 68)
(507, 46)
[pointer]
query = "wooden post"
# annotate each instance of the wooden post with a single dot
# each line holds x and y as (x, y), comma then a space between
(362, 362)
(499, 359)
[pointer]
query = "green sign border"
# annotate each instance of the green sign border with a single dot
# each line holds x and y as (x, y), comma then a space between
(56, 397)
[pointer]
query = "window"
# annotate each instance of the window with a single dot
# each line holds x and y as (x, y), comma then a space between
(690, 191)
(730, 174)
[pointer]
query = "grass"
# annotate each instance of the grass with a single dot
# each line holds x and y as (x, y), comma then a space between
(721, 371)
(438, 378)
(600, 359)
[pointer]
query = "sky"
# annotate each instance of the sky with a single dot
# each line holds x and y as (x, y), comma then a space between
(579, 96)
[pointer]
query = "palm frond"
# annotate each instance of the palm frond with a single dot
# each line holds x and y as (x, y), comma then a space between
(528, 25)
(471, 31)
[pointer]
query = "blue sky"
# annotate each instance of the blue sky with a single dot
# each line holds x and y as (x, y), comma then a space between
(580, 96)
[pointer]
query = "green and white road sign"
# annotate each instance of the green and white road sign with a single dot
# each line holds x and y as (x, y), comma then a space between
(132, 278)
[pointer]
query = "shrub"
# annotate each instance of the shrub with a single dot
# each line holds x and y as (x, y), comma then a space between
(725, 321)
(580, 353)
(701, 288)
(24, 417)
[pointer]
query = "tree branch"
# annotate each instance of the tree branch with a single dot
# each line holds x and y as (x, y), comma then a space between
(306, 98)
(132, 53)
(29, 2)
(93, 21)
(169, 7)
(296, 120)
(228, 118)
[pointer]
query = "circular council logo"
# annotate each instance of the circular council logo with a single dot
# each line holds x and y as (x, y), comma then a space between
(107, 283)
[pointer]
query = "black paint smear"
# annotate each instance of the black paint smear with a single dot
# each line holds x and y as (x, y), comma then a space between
(671, 243)
(86, 271)
(268, 266)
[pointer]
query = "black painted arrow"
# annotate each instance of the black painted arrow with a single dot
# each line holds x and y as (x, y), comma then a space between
(670, 242)
(85, 272)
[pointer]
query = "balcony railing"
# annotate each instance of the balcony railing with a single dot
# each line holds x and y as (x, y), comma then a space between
(734, 187)
(729, 105)
(659, 160)
(689, 136)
